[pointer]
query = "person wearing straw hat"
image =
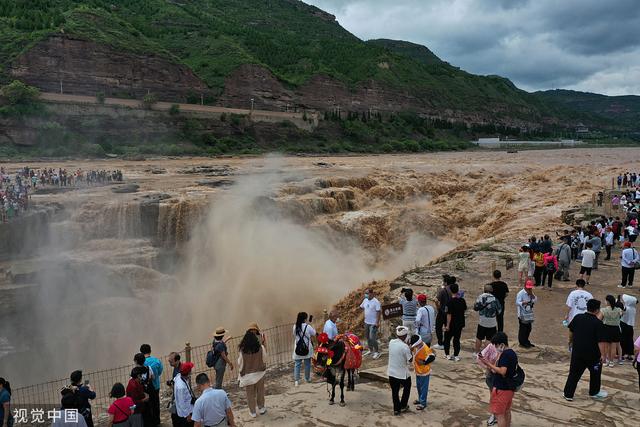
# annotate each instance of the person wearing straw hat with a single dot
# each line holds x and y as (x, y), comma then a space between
(220, 355)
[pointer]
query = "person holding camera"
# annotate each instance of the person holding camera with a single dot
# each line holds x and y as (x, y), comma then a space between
(302, 347)
(183, 395)
(84, 394)
(135, 390)
(409, 309)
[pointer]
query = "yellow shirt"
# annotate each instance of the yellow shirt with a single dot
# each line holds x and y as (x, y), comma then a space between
(418, 359)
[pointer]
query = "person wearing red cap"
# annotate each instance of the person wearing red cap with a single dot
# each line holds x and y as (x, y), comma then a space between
(525, 301)
(628, 259)
(425, 320)
(184, 397)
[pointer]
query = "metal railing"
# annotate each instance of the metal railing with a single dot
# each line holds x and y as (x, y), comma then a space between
(278, 343)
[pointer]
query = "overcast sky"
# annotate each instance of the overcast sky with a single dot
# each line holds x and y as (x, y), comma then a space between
(589, 45)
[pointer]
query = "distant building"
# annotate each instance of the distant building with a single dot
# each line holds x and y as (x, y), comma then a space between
(582, 129)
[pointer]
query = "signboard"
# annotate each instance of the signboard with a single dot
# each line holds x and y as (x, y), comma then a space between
(509, 264)
(390, 311)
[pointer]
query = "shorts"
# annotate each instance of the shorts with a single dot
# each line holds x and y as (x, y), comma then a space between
(500, 402)
(611, 333)
(586, 270)
(485, 333)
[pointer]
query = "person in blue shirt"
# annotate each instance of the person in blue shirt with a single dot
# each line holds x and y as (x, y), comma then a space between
(155, 365)
(5, 402)
(330, 327)
(213, 407)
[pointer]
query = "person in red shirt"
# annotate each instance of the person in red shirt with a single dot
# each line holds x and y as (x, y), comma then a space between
(135, 390)
(122, 408)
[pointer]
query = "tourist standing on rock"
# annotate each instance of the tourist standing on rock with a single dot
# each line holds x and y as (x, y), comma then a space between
(628, 259)
(409, 309)
(488, 307)
(302, 347)
(147, 383)
(596, 246)
(525, 300)
(442, 299)
(563, 254)
(538, 259)
(611, 315)
(588, 351)
(489, 354)
(84, 393)
(627, 323)
(121, 410)
(252, 368)
(455, 311)
(425, 320)
(500, 291)
(155, 365)
(220, 356)
(5, 403)
(213, 407)
(372, 308)
(588, 260)
(609, 239)
(550, 268)
(135, 390)
(423, 356)
(184, 397)
(330, 326)
(523, 264)
(400, 358)
(174, 362)
(503, 371)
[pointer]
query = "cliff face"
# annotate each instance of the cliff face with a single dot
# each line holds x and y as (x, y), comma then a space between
(86, 68)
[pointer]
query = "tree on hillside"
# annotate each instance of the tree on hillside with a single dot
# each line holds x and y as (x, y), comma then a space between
(18, 93)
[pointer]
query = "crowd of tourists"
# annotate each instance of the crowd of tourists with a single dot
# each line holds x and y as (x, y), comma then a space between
(16, 188)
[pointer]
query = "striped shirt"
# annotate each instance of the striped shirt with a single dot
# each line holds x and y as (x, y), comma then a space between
(409, 309)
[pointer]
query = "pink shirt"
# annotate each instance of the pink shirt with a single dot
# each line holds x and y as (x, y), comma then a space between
(548, 258)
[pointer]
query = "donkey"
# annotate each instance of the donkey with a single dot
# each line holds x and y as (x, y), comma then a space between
(341, 363)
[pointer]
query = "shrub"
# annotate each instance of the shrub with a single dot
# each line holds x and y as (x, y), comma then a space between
(174, 110)
(100, 97)
(148, 100)
(18, 93)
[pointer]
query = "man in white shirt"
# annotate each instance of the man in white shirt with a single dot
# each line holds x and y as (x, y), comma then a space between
(588, 260)
(525, 300)
(213, 407)
(425, 320)
(330, 327)
(372, 308)
(183, 395)
(628, 258)
(627, 322)
(400, 359)
(577, 301)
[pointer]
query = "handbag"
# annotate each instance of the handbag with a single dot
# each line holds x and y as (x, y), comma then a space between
(636, 264)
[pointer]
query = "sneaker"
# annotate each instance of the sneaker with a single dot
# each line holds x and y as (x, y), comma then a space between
(420, 407)
(366, 352)
(438, 347)
(262, 411)
(620, 286)
(253, 414)
(492, 420)
(416, 402)
(601, 395)
(456, 358)
(610, 364)
(376, 355)
(296, 384)
(396, 413)
(620, 362)
(405, 409)
(568, 399)
(448, 357)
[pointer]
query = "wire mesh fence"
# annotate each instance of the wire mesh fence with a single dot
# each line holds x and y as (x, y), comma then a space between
(278, 343)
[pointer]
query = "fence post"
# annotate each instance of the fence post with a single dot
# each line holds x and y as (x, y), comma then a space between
(187, 352)
(493, 268)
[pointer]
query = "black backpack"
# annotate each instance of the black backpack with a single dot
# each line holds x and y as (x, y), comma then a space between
(517, 380)
(302, 348)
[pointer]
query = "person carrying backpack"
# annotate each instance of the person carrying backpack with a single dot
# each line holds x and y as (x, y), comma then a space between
(538, 259)
(219, 357)
(488, 308)
(550, 268)
(302, 347)
(508, 377)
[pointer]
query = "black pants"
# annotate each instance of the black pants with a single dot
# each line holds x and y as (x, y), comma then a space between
(626, 339)
(537, 275)
(154, 406)
(595, 261)
(578, 365)
(177, 421)
(627, 276)
(608, 248)
(500, 318)
(524, 330)
(396, 384)
(547, 276)
(454, 333)
(440, 321)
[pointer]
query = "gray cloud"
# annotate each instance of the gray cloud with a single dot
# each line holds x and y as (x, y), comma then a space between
(589, 45)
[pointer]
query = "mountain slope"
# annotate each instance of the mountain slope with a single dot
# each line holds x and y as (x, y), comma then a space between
(281, 53)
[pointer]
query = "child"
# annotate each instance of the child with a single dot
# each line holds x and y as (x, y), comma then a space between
(423, 356)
